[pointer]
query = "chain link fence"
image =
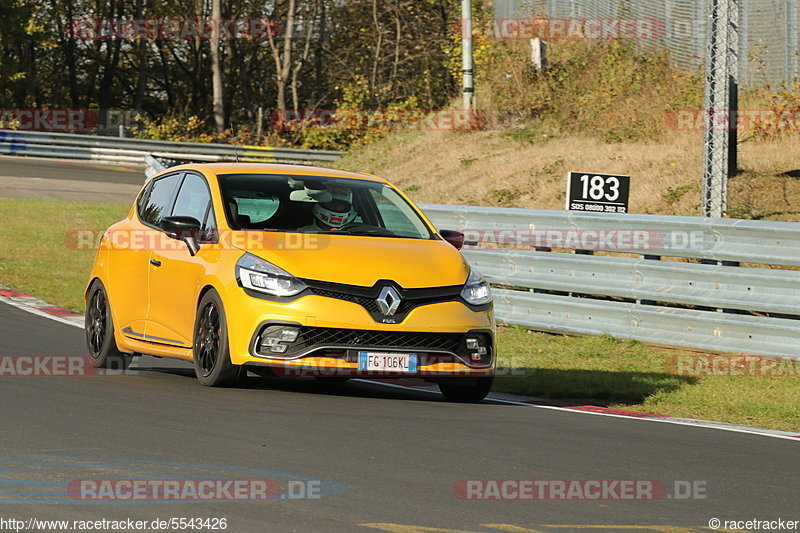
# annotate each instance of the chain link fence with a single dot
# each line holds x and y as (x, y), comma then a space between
(768, 30)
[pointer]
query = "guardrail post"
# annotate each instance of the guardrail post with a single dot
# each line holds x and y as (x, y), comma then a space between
(649, 258)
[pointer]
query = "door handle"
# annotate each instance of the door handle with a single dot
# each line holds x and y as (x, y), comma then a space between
(155, 262)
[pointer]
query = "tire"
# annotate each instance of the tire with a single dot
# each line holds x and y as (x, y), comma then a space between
(465, 392)
(99, 330)
(210, 350)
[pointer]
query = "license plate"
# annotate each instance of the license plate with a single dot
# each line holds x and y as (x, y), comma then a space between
(387, 362)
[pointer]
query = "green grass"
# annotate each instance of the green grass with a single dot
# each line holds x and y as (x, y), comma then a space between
(38, 252)
(674, 195)
(38, 256)
(629, 375)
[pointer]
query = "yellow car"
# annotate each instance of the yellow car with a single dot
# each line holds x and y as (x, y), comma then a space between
(289, 270)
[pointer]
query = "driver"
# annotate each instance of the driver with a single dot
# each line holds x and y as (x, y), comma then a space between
(333, 215)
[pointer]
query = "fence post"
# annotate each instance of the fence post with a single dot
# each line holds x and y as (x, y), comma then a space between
(721, 104)
(466, 55)
(539, 54)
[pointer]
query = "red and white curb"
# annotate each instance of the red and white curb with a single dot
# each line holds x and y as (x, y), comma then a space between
(511, 399)
(34, 305)
(41, 308)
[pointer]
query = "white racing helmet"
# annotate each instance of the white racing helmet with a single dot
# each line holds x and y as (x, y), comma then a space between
(339, 211)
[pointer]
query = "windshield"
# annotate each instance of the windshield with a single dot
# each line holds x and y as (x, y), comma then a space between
(315, 204)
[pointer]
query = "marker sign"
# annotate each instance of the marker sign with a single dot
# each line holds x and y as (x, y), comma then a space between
(597, 193)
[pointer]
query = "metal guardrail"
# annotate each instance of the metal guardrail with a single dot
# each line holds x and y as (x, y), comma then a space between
(133, 151)
(679, 284)
(154, 166)
(746, 241)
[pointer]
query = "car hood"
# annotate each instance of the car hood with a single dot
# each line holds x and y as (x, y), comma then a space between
(357, 260)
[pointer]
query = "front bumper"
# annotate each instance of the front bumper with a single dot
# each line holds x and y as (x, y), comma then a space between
(332, 332)
(336, 351)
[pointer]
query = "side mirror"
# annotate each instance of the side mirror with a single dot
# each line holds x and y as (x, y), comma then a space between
(184, 229)
(456, 238)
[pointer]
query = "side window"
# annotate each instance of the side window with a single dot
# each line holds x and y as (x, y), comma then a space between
(397, 215)
(143, 197)
(194, 200)
(159, 199)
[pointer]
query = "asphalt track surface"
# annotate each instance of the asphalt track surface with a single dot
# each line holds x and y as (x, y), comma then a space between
(387, 459)
(393, 456)
(23, 167)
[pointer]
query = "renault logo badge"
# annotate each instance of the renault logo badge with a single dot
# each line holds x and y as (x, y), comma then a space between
(388, 301)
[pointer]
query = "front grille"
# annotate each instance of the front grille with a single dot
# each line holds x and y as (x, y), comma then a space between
(358, 338)
(366, 296)
(367, 303)
(311, 339)
(371, 304)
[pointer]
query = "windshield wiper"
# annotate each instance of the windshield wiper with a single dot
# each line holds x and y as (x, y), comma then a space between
(376, 232)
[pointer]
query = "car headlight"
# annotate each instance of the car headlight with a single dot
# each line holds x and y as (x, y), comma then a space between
(262, 276)
(476, 290)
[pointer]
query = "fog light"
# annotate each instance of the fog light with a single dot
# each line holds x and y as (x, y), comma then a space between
(475, 345)
(276, 339)
(476, 348)
(289, 334)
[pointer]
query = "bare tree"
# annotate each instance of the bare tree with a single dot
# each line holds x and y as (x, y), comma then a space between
(216, 68)
(298, 65)
(379, 41)
(283, 62)
(141, 78)
(56, 53)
